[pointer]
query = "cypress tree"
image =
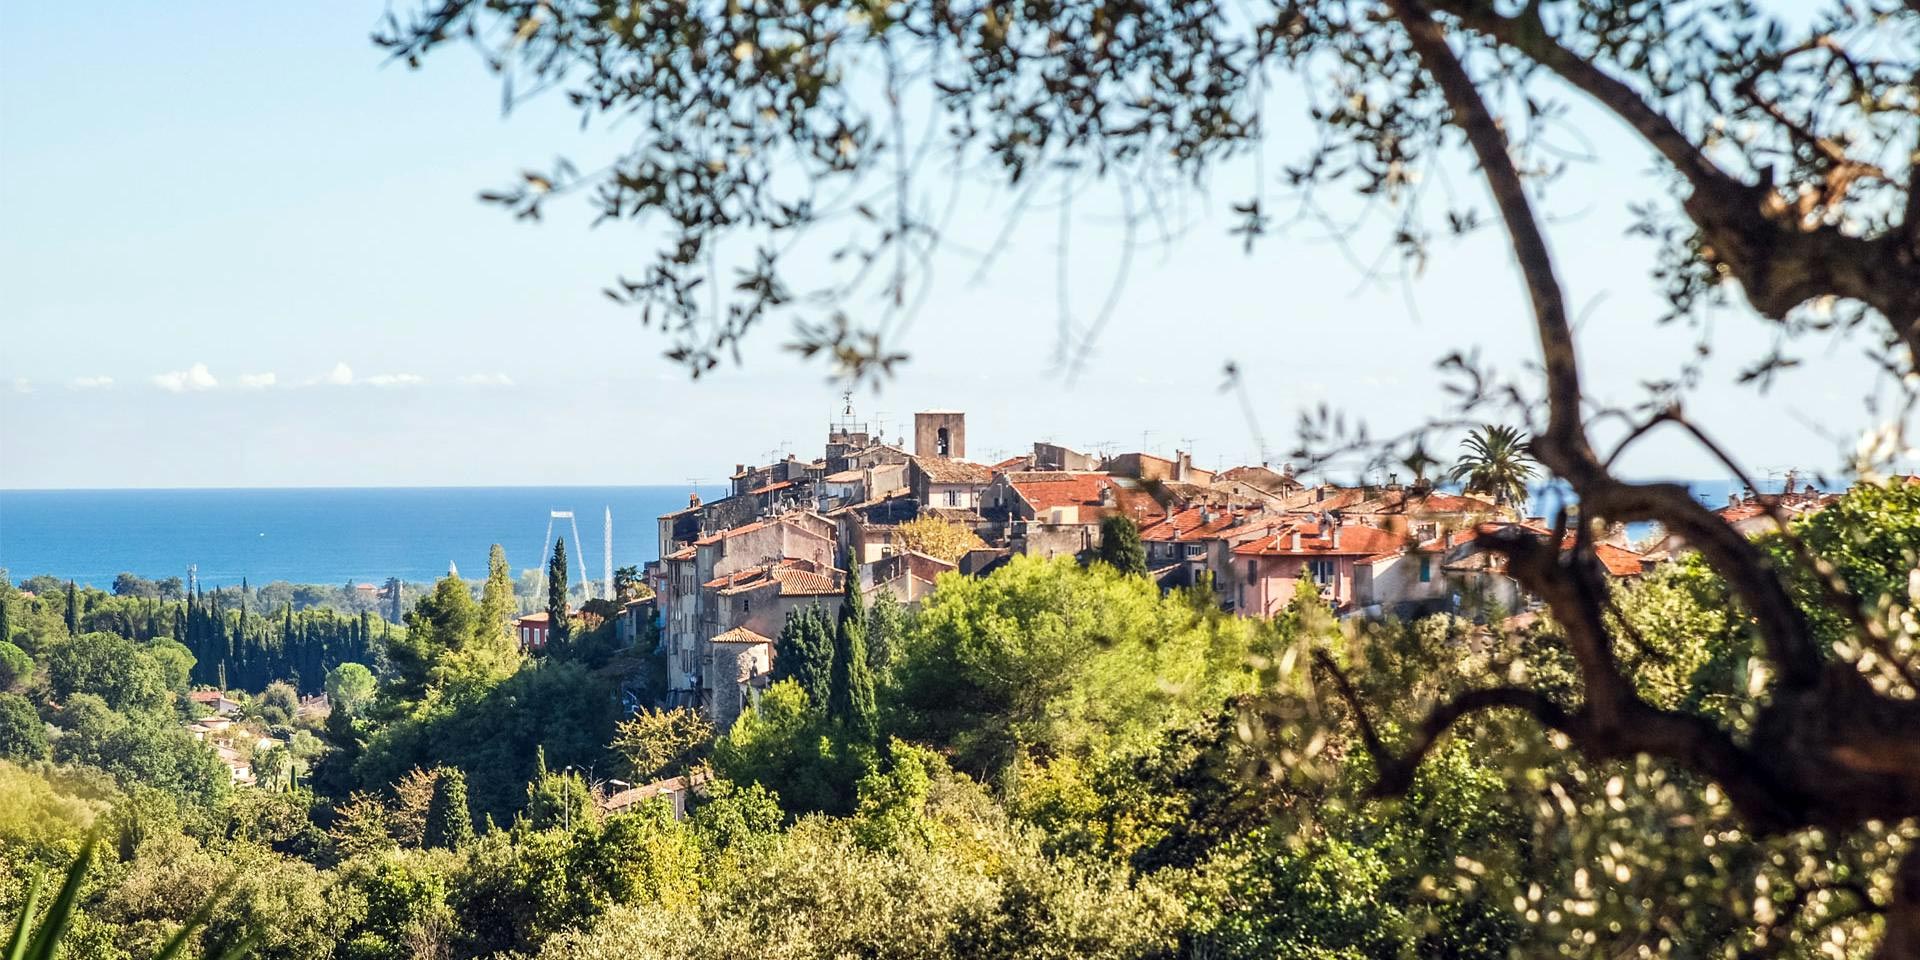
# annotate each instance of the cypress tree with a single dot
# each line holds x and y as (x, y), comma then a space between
(6, 623)
(850, 697)
(496, 601)
(1120, 545)
(73, 610)
(449, 824)
(803, 653)
(557, 595)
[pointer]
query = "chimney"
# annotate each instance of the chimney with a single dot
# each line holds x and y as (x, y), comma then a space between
(1294, 546)
(1788, 490)
(1182, 466)
(1336, 536)
(739, 468)
(693, 499)
(1393, 481)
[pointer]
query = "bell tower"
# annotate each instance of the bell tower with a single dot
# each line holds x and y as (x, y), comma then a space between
(940, 433)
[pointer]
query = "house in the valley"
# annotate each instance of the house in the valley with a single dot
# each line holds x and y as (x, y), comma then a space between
(1271, 568)
(1146, 466)
(1478, 575)
(1259, 484)
(532, 629)
(1421, 512)
(907, 574)
(1050, 513)
(1187, 546)
(215, 702)
(945, 483)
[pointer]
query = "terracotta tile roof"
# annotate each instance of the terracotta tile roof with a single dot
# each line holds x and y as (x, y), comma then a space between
(1193, 523)
(1619, 561)
(1744, 511)
(847, 476)
(959, 515)
(1355, 540)
(794, 577)
(714, 538)
(944, 470)
(795, 582)
(871, 448)
(1337, 499)
(1013, 463)
(1462, 537)
(739, 635)
(756, 525)
(769, 488)
(684, 553)
(633, 796)
(1261, 478)
(1406, 501)
(1044, 490)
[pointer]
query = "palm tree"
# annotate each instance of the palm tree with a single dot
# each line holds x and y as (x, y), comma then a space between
(1498, 462)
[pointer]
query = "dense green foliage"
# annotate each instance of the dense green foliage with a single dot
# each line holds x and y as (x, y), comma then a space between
(850, 690)
(235, 647)
(558, 608)
(1046, 656)
(1061, 762)
(1120, 546)
(803, 653)
(1496, 462)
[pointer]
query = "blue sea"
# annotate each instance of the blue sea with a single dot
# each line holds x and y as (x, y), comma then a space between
(330, 536)
(336, 535)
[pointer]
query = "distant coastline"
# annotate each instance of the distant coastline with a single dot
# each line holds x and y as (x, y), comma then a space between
(327, 535)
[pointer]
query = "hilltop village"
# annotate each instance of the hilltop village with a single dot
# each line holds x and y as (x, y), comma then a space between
(788, 534)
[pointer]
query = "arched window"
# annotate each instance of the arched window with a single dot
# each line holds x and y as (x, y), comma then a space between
(940, 444)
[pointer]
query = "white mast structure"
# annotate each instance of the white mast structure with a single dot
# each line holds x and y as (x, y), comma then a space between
(546, 553)
(606, 586)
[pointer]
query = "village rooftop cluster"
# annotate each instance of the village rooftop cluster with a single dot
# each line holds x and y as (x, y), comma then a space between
(731, 570)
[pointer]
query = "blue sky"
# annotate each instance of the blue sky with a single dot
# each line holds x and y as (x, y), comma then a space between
(241, 249)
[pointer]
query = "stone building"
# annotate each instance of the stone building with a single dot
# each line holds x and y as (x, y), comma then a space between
(942, 483)
(690, 579)
(940, 433)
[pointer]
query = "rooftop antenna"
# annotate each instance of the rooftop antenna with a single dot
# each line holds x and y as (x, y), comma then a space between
(606, 585)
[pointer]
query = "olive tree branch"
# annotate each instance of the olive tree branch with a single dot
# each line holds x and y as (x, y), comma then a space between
(1564, 446)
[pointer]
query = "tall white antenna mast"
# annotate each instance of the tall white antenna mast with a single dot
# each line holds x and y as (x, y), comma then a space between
(606, 586)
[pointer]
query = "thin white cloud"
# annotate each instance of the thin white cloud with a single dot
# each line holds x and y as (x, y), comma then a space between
(395, 380)
(90, 383)
(195, 377)
(22, 385)
(487, 380)
(340, 376)
(257, 381)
